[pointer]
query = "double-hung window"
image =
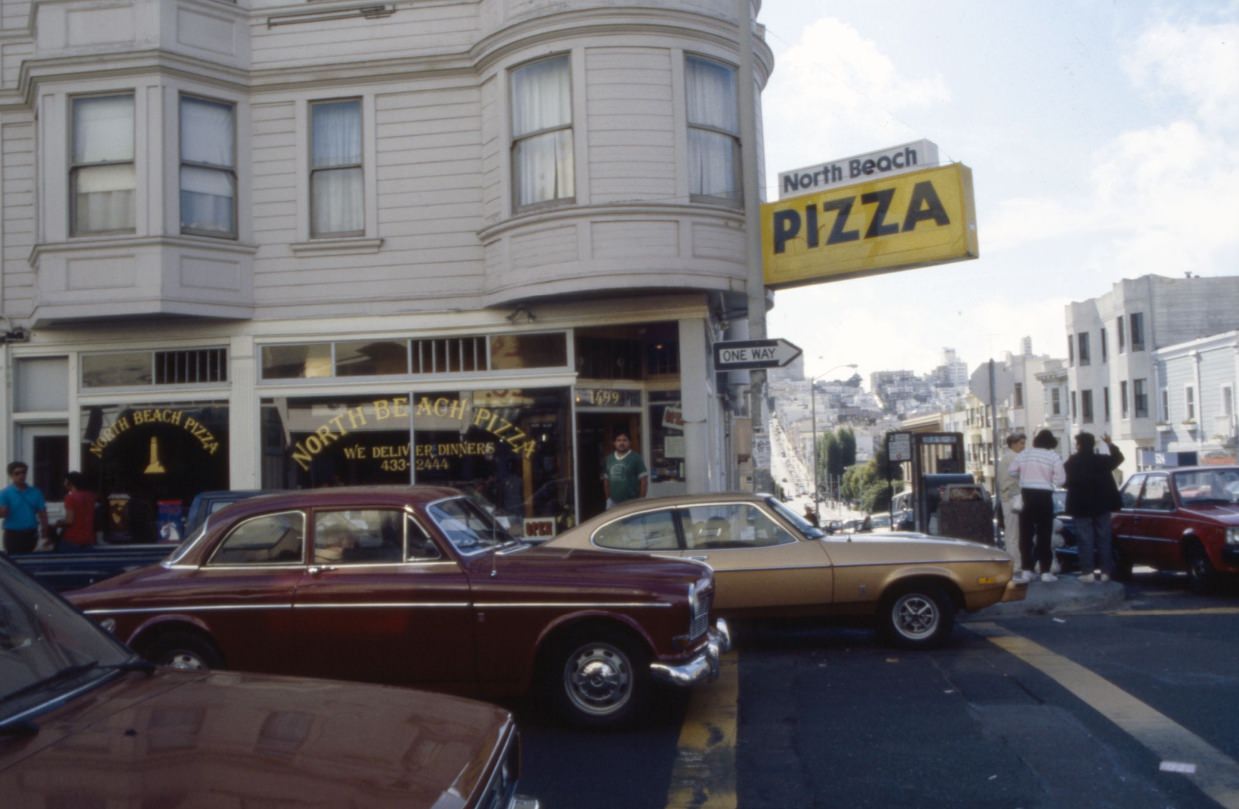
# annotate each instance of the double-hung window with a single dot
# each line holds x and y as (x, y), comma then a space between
(208, 168)
(713, 131)
(102, 178)
(336, 204)
(542, 158)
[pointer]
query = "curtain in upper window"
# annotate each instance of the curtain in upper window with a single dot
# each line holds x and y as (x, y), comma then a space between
(542, 152)
(208, 168)
(336, 203)
(102, 179)
(713, 130)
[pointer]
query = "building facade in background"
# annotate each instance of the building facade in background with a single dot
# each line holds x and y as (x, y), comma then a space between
(262, 245)
(1117, 383)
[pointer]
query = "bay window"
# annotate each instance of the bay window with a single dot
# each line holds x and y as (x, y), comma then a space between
(713, 131)
(102, 179)
(208, 168)
(542, 149)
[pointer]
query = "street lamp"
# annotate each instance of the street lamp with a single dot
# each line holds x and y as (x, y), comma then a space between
(813, 411)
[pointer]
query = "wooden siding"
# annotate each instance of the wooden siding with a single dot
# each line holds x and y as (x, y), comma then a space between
(631, 124)
(17, 238)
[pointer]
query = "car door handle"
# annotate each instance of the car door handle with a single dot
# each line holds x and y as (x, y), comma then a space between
(315, 570)
(699, 558)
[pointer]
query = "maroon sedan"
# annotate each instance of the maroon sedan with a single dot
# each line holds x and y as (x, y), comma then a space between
(1180, 519)
(416, 586)
(86, 722)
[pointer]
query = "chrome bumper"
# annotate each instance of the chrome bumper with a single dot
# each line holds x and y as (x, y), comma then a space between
(703, 667)
(1015, 591)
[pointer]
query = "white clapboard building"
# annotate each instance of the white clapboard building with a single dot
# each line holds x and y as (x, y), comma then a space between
(272, 244)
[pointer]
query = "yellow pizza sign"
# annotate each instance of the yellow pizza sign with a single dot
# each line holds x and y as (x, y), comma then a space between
(897, 223)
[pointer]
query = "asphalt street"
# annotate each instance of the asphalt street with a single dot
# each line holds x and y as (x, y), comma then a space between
(1079, 699)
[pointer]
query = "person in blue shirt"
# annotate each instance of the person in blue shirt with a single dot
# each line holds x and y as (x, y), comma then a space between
(24, 511)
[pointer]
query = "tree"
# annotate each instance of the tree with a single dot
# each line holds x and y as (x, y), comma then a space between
(827, 446)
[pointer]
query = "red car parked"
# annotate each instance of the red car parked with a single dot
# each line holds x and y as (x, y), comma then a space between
(416, 586)
(85, 722)
(1180, 519)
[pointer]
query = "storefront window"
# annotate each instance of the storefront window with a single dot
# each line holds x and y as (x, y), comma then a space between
(510, 351)
(510, 450)
(296, 362)
(372, 357)
(666, 437)
(146, 462)
(335, 441)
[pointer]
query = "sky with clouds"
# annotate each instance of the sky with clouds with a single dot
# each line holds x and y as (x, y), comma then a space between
(1103, 138)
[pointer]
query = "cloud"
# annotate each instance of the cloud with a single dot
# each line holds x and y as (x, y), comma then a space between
(1196, 61)
(834, 92)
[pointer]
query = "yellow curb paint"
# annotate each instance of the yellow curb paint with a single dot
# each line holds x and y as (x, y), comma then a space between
(705, 761)
(1217, 775)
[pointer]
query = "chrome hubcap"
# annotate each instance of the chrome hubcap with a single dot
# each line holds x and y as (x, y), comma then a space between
(915, 616)
(598, 678)
(186, 661)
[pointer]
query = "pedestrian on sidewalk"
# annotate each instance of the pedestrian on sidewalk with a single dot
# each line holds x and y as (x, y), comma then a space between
(1040, 471)
(1009, 502)
(1091, 495)
(24, 512)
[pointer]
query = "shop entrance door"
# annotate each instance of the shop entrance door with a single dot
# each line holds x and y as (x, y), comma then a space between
(45, 449)
(595, 438)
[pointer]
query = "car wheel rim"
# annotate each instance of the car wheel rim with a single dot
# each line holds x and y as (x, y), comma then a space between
(598, 679)
(916, 616)
(185, 661)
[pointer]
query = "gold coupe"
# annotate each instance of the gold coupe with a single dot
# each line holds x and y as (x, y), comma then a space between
(769, 561)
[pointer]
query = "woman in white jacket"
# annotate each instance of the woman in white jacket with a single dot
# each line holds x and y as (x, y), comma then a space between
(1040, 471)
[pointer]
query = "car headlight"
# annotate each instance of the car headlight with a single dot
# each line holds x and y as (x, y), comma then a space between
(692, 597)
(1232, 536)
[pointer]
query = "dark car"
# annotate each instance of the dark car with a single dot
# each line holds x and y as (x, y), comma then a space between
(417, 586)
(85, 722)
(79, 567)
(1180, 519)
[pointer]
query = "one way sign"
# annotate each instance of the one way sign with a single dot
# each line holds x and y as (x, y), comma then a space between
(742, 355)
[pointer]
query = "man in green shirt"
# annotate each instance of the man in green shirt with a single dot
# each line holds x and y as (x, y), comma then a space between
(625, 477)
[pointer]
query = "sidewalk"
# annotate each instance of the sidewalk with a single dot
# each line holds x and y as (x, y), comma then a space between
(1067, 595)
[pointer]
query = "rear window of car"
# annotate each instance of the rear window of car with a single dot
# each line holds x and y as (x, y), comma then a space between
(647, 531)
(265, 540)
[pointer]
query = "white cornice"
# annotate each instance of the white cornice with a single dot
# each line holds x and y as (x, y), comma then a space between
(594, 213)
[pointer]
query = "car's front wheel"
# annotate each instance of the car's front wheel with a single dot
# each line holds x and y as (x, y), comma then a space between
(919, 616)
(598, 679)
(186, 651)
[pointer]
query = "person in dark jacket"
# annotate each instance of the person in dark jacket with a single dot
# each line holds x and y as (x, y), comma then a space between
(1092, 494)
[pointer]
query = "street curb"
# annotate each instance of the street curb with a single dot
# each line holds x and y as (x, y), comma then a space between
(1065, 596)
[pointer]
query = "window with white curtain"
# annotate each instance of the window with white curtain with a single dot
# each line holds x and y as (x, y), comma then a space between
(208, 168)
(713, 131)
(102, 180)
(542, 164)
(336, 205)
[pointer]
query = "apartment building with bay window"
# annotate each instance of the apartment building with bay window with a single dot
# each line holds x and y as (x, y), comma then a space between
(1130, 376)
(288, 244)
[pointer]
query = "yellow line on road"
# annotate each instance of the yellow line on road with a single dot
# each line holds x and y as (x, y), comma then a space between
(705, 761)
(1201, 611)
(1216, 774)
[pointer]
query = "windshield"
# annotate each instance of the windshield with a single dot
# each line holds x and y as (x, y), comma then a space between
(804, 526)
(469, 527)
(47, 649)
